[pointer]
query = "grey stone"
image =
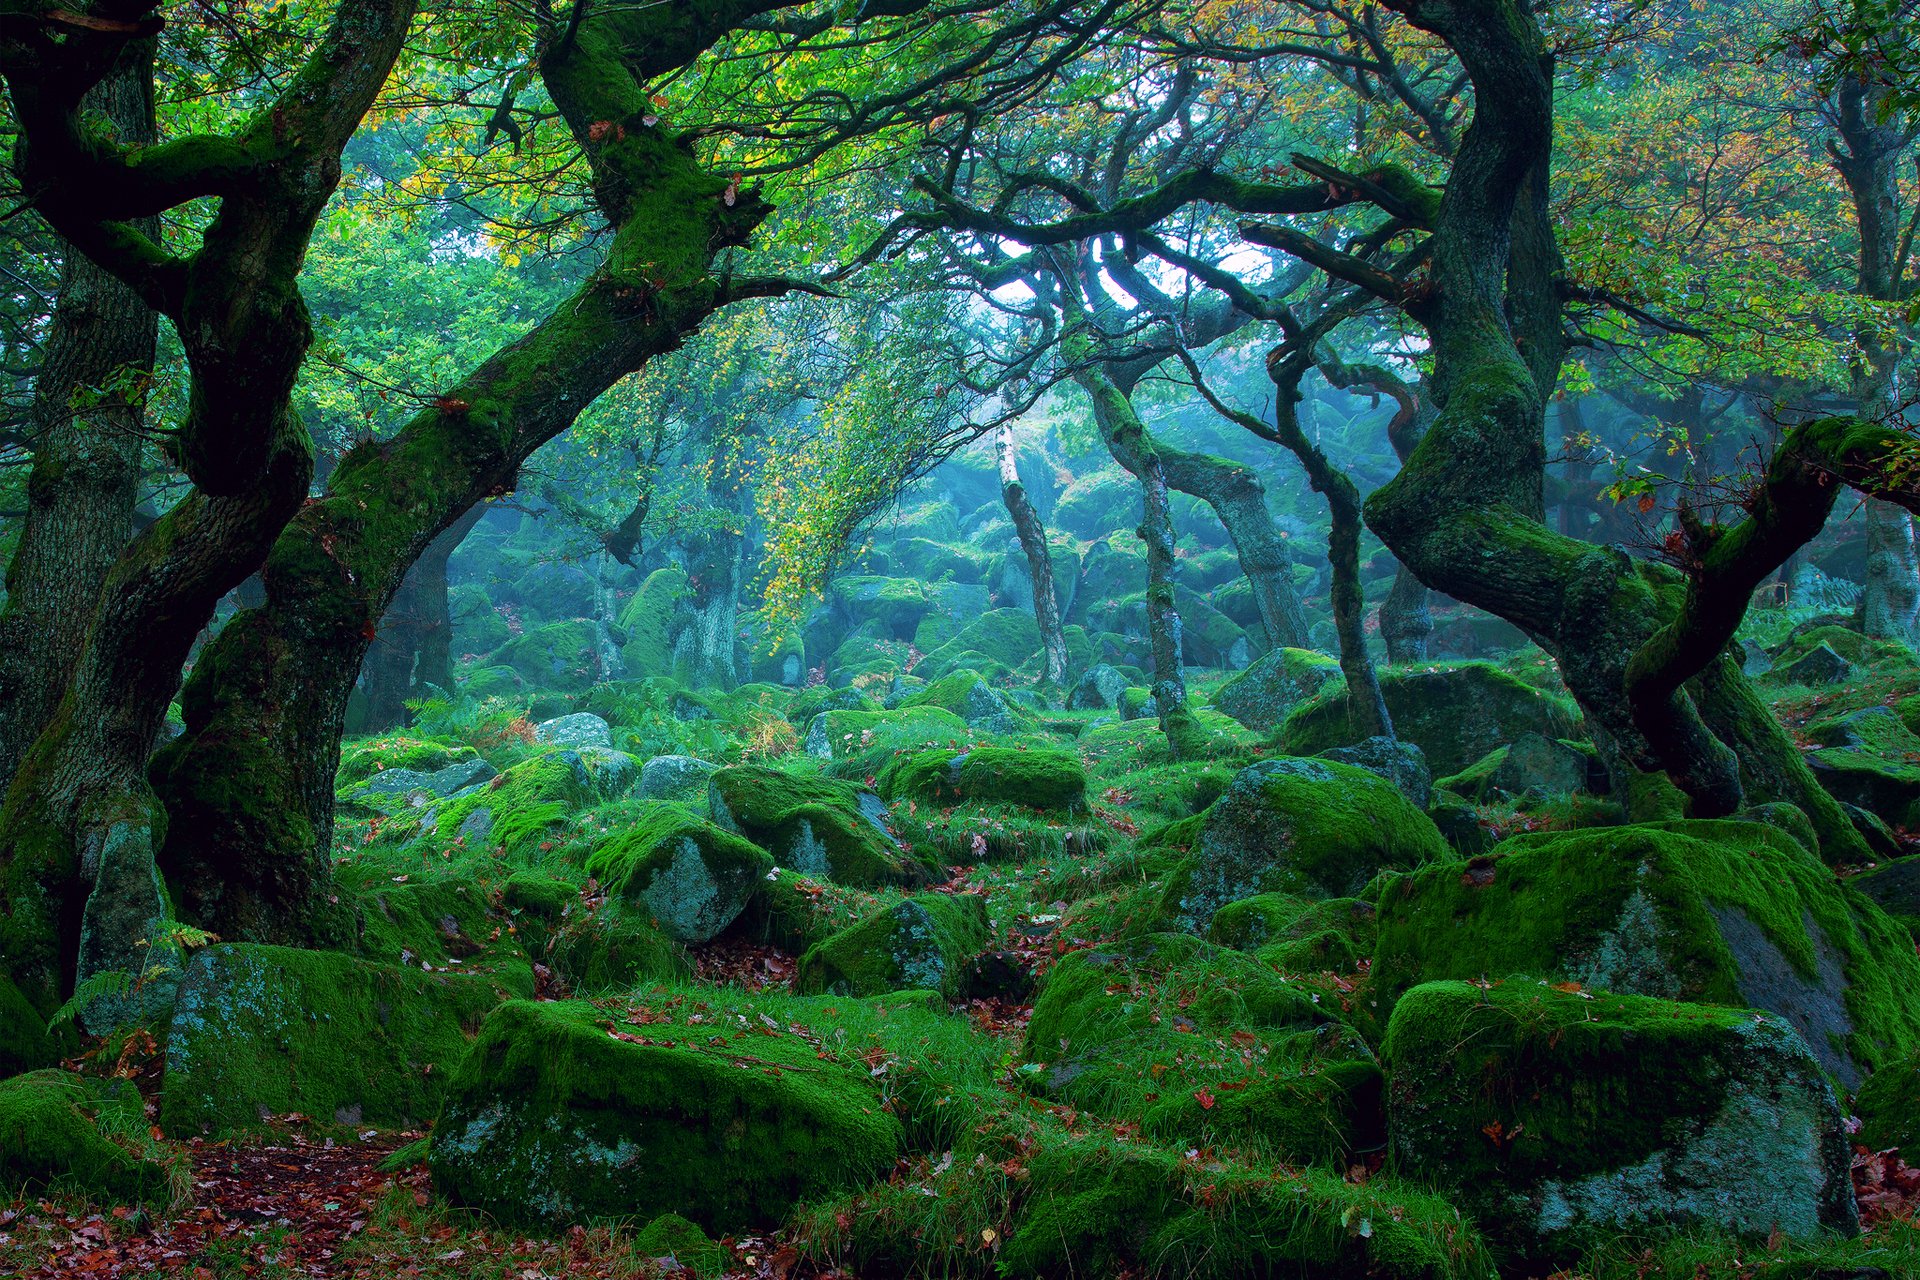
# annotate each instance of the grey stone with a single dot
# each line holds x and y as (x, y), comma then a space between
(1398, 761)
(675, 778)
(581, 729)
(1819, 665)
(1099, 689)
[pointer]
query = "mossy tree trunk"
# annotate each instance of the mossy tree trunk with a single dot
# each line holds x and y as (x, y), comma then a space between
(1032, 532)
(81, 822)
(88, 417)
(260, 820)
(1466, 512)
(1868, 155)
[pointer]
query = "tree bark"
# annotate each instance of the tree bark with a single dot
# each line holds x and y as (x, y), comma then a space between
(258, 853)
(1033, 543)
(89, 410)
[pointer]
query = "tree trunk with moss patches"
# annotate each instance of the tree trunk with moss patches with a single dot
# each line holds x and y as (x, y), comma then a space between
(1868, 164)
(1033, 543)
(1466, 512)
(412, 655)
(1132, 448)
(1240, 500)
(283, 673)
(89, 410)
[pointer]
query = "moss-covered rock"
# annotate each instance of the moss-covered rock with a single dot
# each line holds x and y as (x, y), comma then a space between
(64, 1132)
(1261, 696)
(259, 1031)
(823, 827)
(681, 778)
(1313, 828)
(840, 735)
(1455, 713)
(1896, 888)
(673, 1239)
(516, 811)
(921, 943)
(1053, 781)
(611, 946)
(691, 876)
(564, 656)
(369, 756)
(1098, 1207)
(650, 620)
(1562, 1116)
(552, 1120)
(1298, 935)
(1727, 913)
(972, 699)
(1203, 1044)
(995, 644)
(1889, 1107)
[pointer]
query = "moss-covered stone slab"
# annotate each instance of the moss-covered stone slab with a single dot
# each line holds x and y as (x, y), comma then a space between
(1888, 1105)
(1201, 1044)
(1050, 781)
(682, 778)
(920, 943)
(1559, 1117)
(1896, 888)
(1454, 712)
(1298, 935)
(692, 877)
(561, 1115)
(822, 827)
(64, 1132)
(1261, 696)
(994, 644)
(1314, 828)
(261, 1031)
(517, 811)
(364, 758)
(569, 657)
(971, 698)
(1728, 913)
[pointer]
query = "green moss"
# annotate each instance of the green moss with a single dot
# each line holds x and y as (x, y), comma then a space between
(648, 619)
(1889, 1107)
(552, 1120)
(1560, 1115)
(692, 877)
(1454, 712)
(518, 810)
(1037, 779)
(821, 826)
(1296, 935)
(1314, 828)
(439, 922)
(612, 946)
(1097, 1207)
(24, 1042)
(995, 644)
(563, 656)
(1261, 696)
(921, 943)
(1203, 1044)
(1728, 913)
(363, 759)
(856, 737)
(260, 1031)
(61, 1132)
(794, 912)
(672, 1236)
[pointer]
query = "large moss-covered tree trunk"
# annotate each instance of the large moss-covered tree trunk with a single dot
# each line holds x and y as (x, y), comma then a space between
(1466, 512)
(1032, 532)
(252, 826)
(80, 822)
(88, 415)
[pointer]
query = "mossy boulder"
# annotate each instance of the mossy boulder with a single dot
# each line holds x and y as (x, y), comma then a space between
(1199, 1043)
(493, 682)
(554, 591)
(260, 1031)
(563, 656)
(838, 735)
(996, 643)
(61, 1132)
(673, 1239)
(896, 604)
(552, 1120)
(369, 756)
(1896, 888)
(972, 699)
(650, 620)
(1562, 1117)
(1726, 913)
(1051, 781)
(1278, 681)
(1313, 828)
(1298, 935)
(611, 946)
(1889, 1107)
(1454, 712)
(692, 877)
(1870, 759)
(1096, 1207)
(823, 827)
(920, 943)
(519, 810)
(397, 790)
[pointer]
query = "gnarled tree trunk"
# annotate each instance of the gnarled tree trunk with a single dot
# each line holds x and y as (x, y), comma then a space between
(1033, 544)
